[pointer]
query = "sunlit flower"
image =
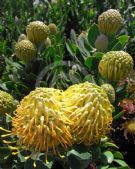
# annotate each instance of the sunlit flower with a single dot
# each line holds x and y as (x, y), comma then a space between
(39, 123)
(90, 110)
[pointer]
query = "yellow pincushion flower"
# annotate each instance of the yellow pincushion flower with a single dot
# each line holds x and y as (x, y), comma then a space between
(110, 21)
(25, 50)
(37, 31)
(109, 91)
(115, 65)
(39, 122)
(90, 110)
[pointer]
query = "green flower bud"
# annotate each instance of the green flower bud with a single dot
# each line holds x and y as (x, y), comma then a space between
(115, 65)
(110, 21)
(52, 28)
(7, 103)
(109, 91)
(25, 50)
(37, 31)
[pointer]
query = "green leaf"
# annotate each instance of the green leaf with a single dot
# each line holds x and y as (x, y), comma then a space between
(109, 156)
(119, 167)
(117, 116)
(93, 34)
(82, 156)
(78, 160)
(109, 144)
(98, 55)
(120, 162)
(118, 155)
(104, 167)
(119, 89)
(96, 152)
(89, 78)
(117, 47)
(4, 151)
(8, 119)
(123, 39)
(70, 48)
(89, 61)
(21, 157)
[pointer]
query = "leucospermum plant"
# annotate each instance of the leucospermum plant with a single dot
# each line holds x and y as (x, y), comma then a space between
(53, 122)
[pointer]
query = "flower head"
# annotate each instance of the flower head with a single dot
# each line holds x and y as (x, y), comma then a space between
(110, 21)
(90, 110)
(25, 50)
(37, 31)
(39, 123)
(115, 65)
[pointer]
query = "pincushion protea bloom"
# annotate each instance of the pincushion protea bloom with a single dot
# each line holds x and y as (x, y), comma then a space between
(110, 21)
(90, 110)
(115, 65)
(25, 50)
(109, 91)
(39, 123)
(37, 31)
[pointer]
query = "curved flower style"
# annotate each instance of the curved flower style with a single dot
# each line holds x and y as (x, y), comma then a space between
(90, 110)
(110, 21)
(109, 91)
(37, 31)
(115, 65)
(25, 50)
